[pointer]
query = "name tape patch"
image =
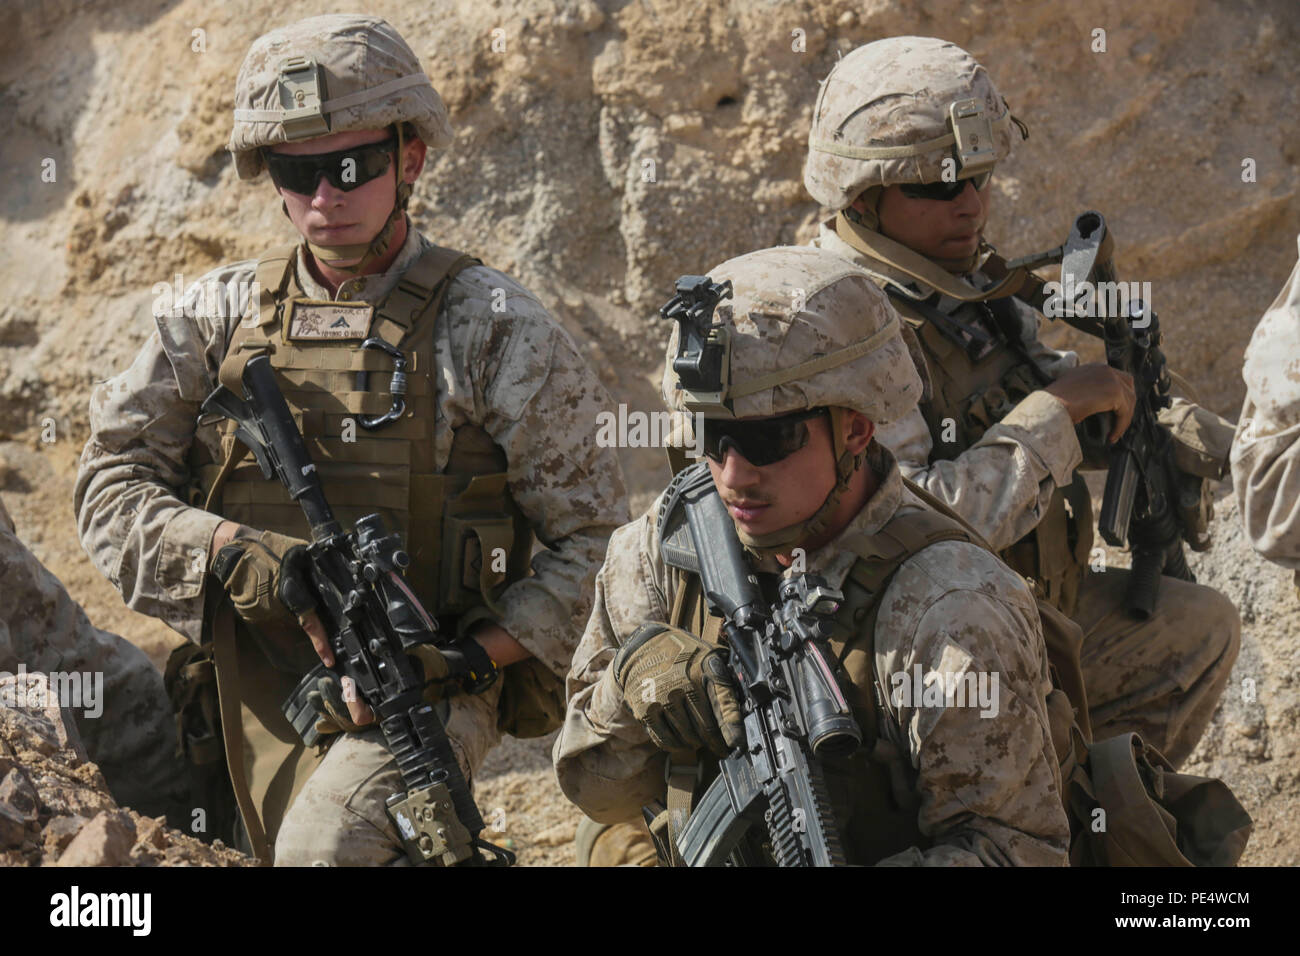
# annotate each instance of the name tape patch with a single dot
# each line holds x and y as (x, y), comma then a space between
(329, 320)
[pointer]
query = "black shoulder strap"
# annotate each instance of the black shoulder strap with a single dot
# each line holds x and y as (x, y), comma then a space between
(968, 337)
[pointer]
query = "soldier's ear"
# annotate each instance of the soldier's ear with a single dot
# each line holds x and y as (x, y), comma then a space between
(858, 431)
(414, 152)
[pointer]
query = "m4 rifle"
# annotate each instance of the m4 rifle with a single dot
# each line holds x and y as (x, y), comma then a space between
(1146, 492)
(373, 621)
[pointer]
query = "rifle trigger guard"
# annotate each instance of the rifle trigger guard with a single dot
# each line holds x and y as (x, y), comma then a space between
(397, 388)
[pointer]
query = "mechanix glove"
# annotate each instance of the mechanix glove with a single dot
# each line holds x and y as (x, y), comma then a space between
(328, 700)
(266, 577)
(679, 687)
(463, 664)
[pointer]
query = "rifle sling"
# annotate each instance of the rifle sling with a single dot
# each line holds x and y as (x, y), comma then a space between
(226, 660)
(682, 770)
(951, 328)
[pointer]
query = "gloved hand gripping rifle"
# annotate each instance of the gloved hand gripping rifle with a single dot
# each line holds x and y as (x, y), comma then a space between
(794, 710)
(372, 619)
(1145, 490)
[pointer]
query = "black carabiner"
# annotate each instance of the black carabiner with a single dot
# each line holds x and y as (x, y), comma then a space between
(397, 389)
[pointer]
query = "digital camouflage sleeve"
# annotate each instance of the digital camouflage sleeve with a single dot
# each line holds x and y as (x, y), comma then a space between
(1266, 450)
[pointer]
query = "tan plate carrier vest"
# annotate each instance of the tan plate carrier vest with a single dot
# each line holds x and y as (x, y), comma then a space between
(1153, 815)
(974, 396)
(449, 521)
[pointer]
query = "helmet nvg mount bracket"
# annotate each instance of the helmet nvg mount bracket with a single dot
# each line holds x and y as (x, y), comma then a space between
(703, 361)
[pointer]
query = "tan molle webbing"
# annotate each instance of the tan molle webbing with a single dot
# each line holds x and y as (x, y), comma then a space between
(273, 274)
(418, 292)
(976, 396)
(961, 389)
(691, 614)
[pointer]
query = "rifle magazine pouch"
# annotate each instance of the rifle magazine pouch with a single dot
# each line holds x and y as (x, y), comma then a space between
(1202, 439)
(1157, 817)
(532, 700)
(190, 679)
(479, 531)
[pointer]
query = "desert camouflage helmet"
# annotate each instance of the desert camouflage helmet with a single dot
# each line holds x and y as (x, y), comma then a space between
(804, 328)
(892, 111)
(330, 74)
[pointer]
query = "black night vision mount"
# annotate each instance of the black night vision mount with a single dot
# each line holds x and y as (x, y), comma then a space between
(701, 364)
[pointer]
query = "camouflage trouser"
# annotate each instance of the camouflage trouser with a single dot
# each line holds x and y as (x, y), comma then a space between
(339, 819)
(123, 715)
(1160, 678)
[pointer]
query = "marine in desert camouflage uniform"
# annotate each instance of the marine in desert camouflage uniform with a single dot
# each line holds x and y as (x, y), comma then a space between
(1264, 452)
(498, 399)
(980, 790)
(129, 730)
(995, 437)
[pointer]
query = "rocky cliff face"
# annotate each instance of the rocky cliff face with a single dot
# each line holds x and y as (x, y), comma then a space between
(54, 804)
(604, 148)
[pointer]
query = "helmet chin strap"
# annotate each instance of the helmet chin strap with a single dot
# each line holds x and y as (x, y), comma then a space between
(367, 252)
(783, 539)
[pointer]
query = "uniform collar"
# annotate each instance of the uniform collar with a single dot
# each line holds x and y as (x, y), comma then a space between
(368, 288)
(831, 241)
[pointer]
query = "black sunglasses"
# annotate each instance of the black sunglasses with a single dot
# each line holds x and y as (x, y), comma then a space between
(299, 174)
(760, 442)
(944, 192)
